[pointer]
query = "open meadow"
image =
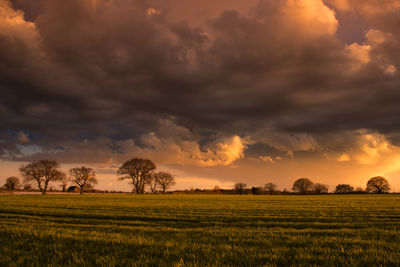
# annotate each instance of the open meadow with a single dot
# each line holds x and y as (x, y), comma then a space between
(199, 230)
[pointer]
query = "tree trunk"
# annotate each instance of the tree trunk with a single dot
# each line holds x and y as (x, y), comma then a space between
(141, 188)
(40, 188)
(136, 189)
(45, 187)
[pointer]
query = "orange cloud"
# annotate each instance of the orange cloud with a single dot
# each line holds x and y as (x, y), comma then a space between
(223, 152)
(344, 158)
(13, 23)
(312, 17)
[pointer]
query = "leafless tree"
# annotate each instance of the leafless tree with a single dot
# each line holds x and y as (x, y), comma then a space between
(303, 185)
(239, 187)
(84, 177)
(270, 187)
(42, 172)
(320, 188)
(152, 182)
(138, 171)
(165, 180)
(344, 189)
(12, 183)
(378, 185)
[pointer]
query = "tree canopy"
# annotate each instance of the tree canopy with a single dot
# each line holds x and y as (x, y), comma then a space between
(378, 184)
(83, 177)
(12, 183)
(303, 185)
(165, 180)
(139, 171)
(320, 188)
(344, 189)
(239, 187)
(270, 187)
(42, 172)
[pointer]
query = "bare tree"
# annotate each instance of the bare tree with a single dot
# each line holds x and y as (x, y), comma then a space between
(152, 182)
(138, 171)
(270, 187)
(378, 185)
(303, 185)
(320, 188)
(12, 183)
(344, 189)
(165, 180)
(42, 172)
(84, 177)
(239, 187)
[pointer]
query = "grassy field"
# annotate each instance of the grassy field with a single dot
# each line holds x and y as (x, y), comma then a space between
(190, 230)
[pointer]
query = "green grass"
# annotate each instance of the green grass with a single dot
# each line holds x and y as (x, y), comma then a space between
(192, 230)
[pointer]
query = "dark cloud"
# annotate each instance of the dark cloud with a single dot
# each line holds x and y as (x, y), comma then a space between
(110, 70)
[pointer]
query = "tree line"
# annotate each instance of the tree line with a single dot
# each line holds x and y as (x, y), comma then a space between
(140, 173)
(377, 184)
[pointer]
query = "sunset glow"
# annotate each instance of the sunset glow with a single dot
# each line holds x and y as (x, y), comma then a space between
(214, 93)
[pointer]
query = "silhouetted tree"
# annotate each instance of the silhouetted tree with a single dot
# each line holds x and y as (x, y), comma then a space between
(303, 185)
(270, 187)
(320, 188)
(12, 183)
(343, 189)
(378, 185)
(239, 188)
(152, 182)
(165, 180)
(217, 189)
(138, 171)
(27, 187)
(256, 190)
(42, 172)
(83, 177)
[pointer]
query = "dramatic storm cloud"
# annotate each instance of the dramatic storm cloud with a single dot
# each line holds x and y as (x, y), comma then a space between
(253, 91)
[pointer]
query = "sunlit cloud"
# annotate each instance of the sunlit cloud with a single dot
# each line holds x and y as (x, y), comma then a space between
(360, 55)
(223, 91)
(344, 158)
(313, 16)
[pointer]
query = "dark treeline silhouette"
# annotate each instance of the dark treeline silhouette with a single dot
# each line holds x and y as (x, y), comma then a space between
(42, 174)
(142, 176)
(303, 186)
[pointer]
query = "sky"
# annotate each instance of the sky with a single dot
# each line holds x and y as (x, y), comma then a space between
(215, 92)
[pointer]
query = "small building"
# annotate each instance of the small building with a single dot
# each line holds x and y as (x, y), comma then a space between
(73, 188)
